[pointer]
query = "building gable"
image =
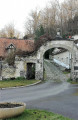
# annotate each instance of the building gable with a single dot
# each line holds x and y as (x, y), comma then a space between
(11, 46)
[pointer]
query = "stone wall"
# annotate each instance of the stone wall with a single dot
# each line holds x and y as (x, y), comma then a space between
(63, 57)
(7, 71)
(20, 68)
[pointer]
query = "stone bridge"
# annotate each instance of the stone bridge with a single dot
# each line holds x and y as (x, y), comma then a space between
(38, 58)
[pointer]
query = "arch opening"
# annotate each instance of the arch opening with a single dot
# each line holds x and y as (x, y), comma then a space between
(59, 61)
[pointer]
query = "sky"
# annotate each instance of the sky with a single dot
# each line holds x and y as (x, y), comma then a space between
(17, 11)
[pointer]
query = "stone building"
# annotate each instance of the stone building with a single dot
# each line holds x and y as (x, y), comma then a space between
(24, 65)
(7, 46)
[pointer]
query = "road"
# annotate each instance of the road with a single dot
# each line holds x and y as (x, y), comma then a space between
(54, 95)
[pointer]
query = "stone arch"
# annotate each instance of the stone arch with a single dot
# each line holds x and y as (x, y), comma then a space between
(67, 44)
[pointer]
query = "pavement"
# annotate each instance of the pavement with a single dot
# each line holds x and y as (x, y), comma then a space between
(54, 73)
(55, 94)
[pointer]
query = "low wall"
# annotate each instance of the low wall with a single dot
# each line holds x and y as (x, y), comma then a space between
(18, 70)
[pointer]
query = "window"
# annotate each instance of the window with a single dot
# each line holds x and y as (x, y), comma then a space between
(11, 48)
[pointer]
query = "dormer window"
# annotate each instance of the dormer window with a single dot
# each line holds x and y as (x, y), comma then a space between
(11, 48)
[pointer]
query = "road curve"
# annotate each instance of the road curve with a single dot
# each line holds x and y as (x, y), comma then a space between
(52, 86)
(53, 95)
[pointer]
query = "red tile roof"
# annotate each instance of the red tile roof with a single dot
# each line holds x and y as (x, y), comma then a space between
(24, 45)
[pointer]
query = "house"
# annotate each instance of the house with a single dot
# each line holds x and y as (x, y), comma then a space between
(8, 45)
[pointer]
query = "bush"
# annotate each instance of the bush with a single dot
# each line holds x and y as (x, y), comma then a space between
(23, 53)
(20, 78)
(42, 40)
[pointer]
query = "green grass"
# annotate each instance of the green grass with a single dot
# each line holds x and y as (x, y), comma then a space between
(66, 72)
(72, 82)
(16, 82)
(38, 115)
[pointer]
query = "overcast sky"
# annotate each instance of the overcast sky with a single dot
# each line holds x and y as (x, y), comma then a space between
(16, 11)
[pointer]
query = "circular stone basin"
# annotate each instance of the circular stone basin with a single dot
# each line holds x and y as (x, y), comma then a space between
(11, 109)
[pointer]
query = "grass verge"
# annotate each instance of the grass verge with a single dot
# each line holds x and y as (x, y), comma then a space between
(66, 72)
(16, 82)
(72, 82)
(38, 115)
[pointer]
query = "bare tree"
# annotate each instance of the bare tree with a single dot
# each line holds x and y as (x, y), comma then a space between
(32, 22)
(50, 20)
(17, 34)
(69, 11)
(70, 8)
(54, 15)
(28, 27)
(9, 31)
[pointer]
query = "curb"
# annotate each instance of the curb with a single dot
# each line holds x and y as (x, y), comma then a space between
(21, 86)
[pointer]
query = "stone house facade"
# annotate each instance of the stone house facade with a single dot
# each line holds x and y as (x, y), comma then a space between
(7, 46)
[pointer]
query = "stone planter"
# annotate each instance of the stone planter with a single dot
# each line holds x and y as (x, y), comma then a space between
(11, 112)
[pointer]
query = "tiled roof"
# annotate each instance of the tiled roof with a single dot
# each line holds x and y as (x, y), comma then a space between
(24, 45)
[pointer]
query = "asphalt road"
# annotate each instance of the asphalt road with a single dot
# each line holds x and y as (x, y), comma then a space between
(56, 96)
